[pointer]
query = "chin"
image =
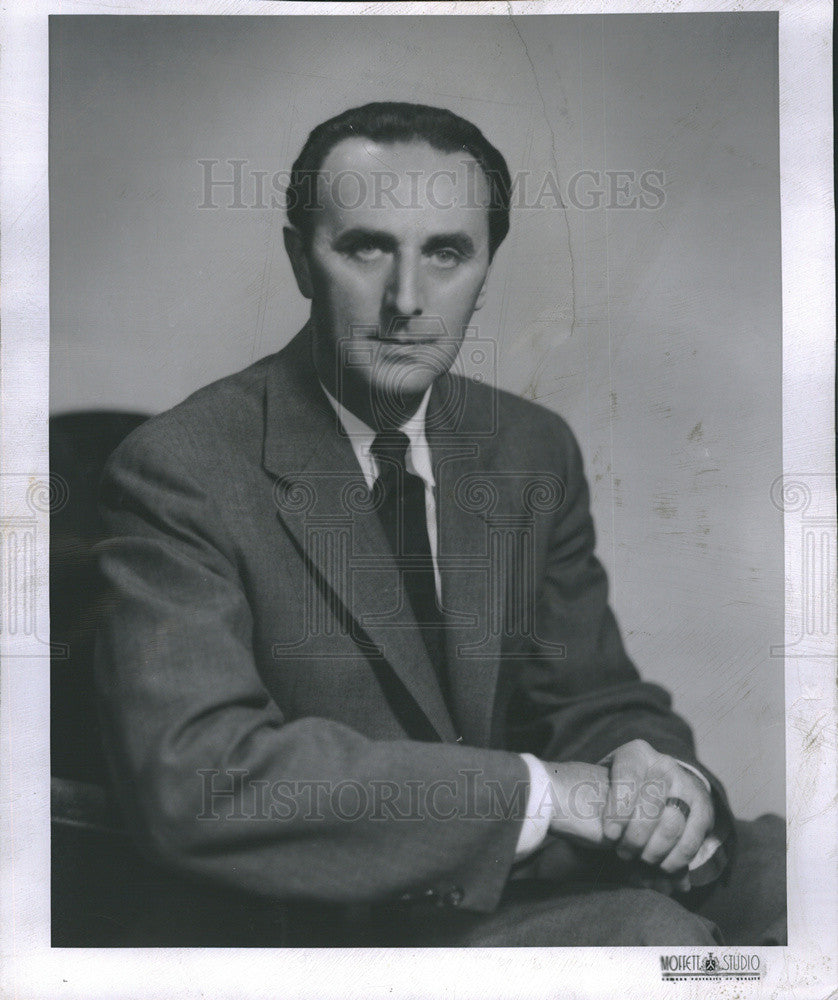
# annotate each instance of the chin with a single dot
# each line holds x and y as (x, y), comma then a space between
(403, 383)
(399, 376)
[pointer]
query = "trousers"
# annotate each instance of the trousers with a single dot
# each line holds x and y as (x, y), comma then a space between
(745, 907)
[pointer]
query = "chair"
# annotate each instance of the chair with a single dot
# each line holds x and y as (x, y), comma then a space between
(105, 893)
(87, 833)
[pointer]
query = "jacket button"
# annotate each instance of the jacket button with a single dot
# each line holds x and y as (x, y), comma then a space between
(454, 896)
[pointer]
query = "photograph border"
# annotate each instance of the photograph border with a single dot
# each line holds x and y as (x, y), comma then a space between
(31, 968)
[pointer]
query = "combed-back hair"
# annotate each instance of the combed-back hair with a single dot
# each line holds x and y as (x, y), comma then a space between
(391, 121)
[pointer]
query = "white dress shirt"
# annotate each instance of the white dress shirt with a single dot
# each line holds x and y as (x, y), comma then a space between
(418, 463)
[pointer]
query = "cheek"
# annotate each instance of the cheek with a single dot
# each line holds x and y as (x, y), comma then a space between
(349, 293)
(458, 298)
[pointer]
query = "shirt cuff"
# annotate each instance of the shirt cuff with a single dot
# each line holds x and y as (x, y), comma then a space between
(696, 772)
(537, 816)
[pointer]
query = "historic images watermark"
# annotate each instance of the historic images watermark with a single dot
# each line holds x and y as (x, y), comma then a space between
(232, 794)
(237, 184)
(26, 500)
(807, 503)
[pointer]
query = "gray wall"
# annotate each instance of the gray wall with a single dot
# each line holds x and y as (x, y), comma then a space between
(655, 332)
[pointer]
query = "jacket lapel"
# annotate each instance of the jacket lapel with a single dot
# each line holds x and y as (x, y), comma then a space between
(462, 442)
(322, 500)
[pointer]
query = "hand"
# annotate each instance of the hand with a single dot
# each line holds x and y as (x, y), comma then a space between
(639, 822)
(578, 795)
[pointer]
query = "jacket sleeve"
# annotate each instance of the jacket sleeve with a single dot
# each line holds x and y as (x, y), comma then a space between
(585, 702)
(215, 781)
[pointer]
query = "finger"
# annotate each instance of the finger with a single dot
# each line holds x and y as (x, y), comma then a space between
(649, 810)
(696, 829)
(635, 836)
(627, 771)
(665, 836)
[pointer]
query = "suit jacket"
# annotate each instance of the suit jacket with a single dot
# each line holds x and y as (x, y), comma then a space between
(270, 713)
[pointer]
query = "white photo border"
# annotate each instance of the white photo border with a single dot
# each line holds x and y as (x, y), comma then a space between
(805, 969)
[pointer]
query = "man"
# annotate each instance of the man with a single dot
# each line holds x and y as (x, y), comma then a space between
(361, 663)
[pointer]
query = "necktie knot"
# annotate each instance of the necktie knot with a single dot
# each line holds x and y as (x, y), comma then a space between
(390, 451)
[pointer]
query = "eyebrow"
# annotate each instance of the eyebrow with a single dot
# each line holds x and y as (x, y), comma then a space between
(459, 241)
(346, 240)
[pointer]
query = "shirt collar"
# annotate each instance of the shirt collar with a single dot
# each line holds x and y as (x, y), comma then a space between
(361, 437)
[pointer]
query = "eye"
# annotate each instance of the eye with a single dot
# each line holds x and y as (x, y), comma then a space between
(366, 250)
(446, 257)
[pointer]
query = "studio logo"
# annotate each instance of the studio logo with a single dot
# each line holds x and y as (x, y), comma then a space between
(731, 965)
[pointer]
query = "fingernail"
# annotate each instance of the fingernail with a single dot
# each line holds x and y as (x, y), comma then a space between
(612, 831)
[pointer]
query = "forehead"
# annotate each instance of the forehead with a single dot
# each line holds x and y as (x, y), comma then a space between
(401, 186)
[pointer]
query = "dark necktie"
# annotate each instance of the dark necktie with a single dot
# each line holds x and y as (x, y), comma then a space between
(404, 518)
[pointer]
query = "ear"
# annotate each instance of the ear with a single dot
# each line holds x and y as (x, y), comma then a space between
(296, 250)
(481, 295)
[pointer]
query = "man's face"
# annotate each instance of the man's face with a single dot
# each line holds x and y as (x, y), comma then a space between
(397, 264)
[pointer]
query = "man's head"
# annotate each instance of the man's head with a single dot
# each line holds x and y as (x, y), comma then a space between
(396, 211)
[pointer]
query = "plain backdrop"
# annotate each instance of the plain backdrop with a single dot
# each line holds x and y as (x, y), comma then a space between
(656, 332)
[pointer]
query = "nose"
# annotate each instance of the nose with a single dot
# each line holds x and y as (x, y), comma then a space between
(404, 291)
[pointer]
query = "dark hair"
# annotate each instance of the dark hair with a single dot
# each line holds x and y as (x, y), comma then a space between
(390, 121)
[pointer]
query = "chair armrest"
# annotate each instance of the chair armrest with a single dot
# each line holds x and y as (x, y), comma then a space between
(80, 804)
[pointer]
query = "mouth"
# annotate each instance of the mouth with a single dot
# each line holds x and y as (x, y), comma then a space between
(408, 341)
(412, 331)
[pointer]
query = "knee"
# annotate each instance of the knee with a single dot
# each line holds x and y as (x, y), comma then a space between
(760, 856)
(655, 919)
(761, 842)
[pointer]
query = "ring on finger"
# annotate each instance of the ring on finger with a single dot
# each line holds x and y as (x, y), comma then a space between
(682, 806)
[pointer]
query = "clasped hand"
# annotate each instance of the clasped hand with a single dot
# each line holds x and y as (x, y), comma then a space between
(645, 805)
